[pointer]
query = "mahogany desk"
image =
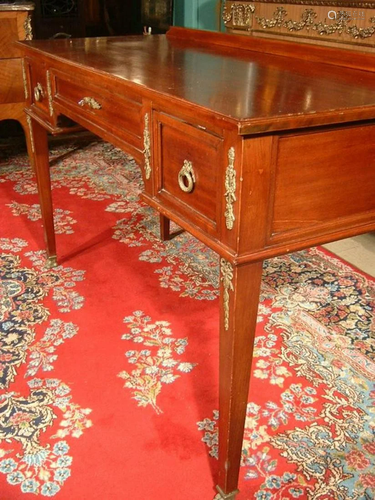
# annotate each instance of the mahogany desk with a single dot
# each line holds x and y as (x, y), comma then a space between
(256, 147)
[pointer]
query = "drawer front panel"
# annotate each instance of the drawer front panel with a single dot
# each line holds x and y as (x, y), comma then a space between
(189, 171)
(116, 114)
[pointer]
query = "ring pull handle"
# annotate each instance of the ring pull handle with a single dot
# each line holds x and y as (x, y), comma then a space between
(90, 102)
(38, 92)
(186, 177)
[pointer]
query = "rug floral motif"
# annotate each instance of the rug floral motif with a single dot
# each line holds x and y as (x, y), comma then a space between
(184, 265)
(157, 364)
(27, 460)
(313, 435)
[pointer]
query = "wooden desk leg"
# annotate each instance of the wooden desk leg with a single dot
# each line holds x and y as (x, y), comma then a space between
(27, 132)
(240, 288)
(164, 227)
(40, 153)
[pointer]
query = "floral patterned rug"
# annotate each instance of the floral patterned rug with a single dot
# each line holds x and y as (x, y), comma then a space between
(109, 362)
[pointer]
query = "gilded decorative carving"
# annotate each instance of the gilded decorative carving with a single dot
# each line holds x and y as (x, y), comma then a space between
(230, 190)
(28, 28)
(362, 32)
(90, 102)
(344, 3)
(24, 77)
(49, 92)
(308, 22)
(147, 146)
(227, 279)
(28, 119)
(239, 14)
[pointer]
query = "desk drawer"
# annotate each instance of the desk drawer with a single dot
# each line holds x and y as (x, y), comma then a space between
(118, 115)
(189, 164)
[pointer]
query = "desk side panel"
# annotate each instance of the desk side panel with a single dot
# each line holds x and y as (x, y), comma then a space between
(323, 179)
(305, 189)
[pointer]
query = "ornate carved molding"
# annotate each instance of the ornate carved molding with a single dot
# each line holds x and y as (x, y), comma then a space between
(230, 190)
(324, 3)
(227, 279)
(307, 22)
(238, 14)
(28, 28)
(147, 146)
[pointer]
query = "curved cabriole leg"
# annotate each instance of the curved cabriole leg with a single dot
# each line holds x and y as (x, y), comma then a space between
(26, 129)
(40, 160)
(240, 288)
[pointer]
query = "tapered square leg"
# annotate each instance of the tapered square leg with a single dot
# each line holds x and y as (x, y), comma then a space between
(240, 288)
(40, 159)
(165, 224)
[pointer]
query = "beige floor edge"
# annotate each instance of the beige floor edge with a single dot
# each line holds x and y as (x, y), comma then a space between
(359, 251)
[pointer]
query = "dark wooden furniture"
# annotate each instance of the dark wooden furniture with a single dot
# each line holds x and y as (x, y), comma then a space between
(157, 14)
(256, 147)
(59, 18)
(15, 24)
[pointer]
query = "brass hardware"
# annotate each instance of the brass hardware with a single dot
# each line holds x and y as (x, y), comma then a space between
(51, 262)
(147, 147)
(28, 119)
(38, 92)
(24, 77)
(230, 193)
(90, 102)
(239, 15)
(49, 93)
(226, 277)
(186, 177)
(28, 28)
(222, 496)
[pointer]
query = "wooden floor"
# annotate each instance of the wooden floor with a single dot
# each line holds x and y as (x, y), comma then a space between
(359, 251)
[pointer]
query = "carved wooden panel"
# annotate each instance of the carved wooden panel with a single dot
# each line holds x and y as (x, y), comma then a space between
(312, 21)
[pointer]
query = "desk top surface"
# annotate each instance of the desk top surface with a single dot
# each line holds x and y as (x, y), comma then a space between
(244, 85)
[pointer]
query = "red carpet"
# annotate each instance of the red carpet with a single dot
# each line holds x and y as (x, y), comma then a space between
(109, 362)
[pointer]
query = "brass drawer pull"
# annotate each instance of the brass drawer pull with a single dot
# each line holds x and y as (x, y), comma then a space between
(186, 177)
(91, 103)
(38, 92)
